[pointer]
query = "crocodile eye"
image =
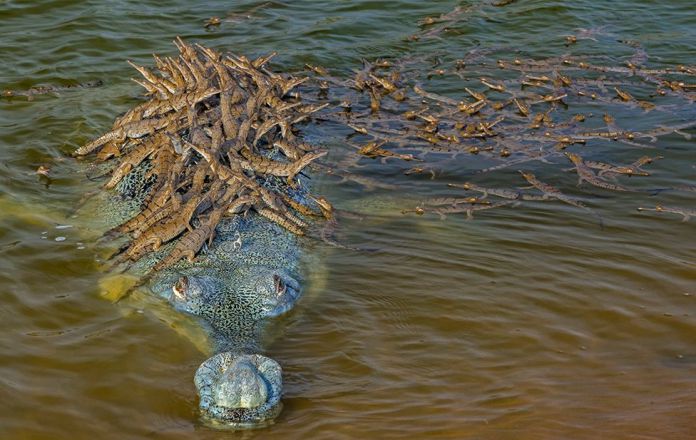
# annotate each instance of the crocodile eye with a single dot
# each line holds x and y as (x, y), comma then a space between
(280, 286)
(180, 287)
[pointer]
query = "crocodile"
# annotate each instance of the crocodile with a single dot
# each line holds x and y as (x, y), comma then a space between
(49, 89)
(211, 212)
(585, 174)
(684, 212)
(249, 274)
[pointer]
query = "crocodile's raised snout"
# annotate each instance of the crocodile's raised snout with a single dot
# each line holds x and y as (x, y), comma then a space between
(239, 390)
(241, 386)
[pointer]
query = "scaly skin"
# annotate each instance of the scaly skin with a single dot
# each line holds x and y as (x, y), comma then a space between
(161, 233)
(275, 210)
(133, 158)
(291, 151)
(148, 218)
(278, 218)
(230, 95)
(191, 243)
(585, 174)
(154, 79)
(263, 165)
(155, 208)
(136, 129)
(170, 229)
(177, 102)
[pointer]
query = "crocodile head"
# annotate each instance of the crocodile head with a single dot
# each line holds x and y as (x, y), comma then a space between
(249, 274)
(239, 390)
(272, 292)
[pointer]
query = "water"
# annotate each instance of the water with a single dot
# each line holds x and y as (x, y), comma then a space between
(530, 322)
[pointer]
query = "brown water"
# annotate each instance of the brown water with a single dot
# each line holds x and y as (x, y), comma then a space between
(530, 322)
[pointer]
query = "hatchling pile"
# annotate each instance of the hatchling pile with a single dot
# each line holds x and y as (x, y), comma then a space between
(215, 129)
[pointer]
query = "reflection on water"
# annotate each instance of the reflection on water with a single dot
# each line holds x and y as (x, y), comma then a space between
(530, 322)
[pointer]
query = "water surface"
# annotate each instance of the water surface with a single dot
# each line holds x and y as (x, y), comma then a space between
(530, 322)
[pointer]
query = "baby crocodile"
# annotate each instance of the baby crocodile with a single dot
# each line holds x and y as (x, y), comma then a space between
(470, 208)
(43, 90)
(684, 212)
(550, 192)
(633, 169)
(585, 174)
(192, 241)
(554, 193)
(510, 194)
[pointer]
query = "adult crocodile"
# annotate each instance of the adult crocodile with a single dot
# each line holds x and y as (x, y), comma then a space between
(213, 157)
(250, 273)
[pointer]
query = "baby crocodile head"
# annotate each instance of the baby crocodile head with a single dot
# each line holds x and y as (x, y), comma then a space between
(239, 390)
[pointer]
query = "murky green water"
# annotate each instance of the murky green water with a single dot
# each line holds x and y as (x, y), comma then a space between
(530, 322)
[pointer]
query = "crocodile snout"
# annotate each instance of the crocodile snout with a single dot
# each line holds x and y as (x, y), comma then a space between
(239, 390)
(241, 386)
